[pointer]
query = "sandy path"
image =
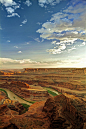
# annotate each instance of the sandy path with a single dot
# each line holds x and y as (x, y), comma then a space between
(12, 96)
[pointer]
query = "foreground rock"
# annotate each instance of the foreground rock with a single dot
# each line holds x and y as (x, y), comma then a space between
(59, 112)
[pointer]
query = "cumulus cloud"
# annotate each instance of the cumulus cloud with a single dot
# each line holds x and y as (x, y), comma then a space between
(11, 6)
(57, 49)
(10, 10)
(13, 15)
(8, 2)
(43, 3)
(66, 27)
(28, 3)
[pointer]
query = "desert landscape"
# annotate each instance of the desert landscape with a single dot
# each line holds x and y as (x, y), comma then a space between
(42, 64)
(47, 98)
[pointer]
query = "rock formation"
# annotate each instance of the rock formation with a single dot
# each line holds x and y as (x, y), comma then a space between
(59, 112)
(23, 90)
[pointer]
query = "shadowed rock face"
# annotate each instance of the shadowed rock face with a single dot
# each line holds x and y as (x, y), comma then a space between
(11, 126)
(20, 84)
(58, 112)
(62, 113)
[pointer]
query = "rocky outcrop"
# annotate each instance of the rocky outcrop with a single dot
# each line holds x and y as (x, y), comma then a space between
(58, 112)
(13, 105)
(19, 84)
(62, 113)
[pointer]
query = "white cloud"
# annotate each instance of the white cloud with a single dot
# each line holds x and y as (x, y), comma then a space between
(16, 46)
(25, 21)
(28, 43)
(7, 2)
(61, 28)
(39, 23)
(54, 51)
(10, 10)
(13, 63)
(8, 41)
(73, 48)
(19, 51)
(37, 39)
(84, 43)
(23, 61)
(28, 3)
(10, 6)
(20, 25)
(53, 42)
(62, 47)
(43, 3)
(13, 15)
(57, 49)
(17, 6)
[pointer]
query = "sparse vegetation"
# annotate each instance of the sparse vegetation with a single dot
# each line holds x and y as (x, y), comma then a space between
(26, 100)
(18, 96)
(14, 97)
(25, 106)
(5, 92)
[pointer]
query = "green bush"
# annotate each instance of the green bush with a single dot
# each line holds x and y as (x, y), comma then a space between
(51, 92)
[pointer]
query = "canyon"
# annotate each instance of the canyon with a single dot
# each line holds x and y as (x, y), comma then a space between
(36, 86)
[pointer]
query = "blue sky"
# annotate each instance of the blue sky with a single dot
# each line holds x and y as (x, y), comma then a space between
(42, 33)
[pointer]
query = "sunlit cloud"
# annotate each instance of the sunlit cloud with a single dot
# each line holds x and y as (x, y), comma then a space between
(65, 27)
(8, 2)
(79, 62)
(19, 51)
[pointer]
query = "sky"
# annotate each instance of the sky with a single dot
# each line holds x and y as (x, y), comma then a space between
(42, 34)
